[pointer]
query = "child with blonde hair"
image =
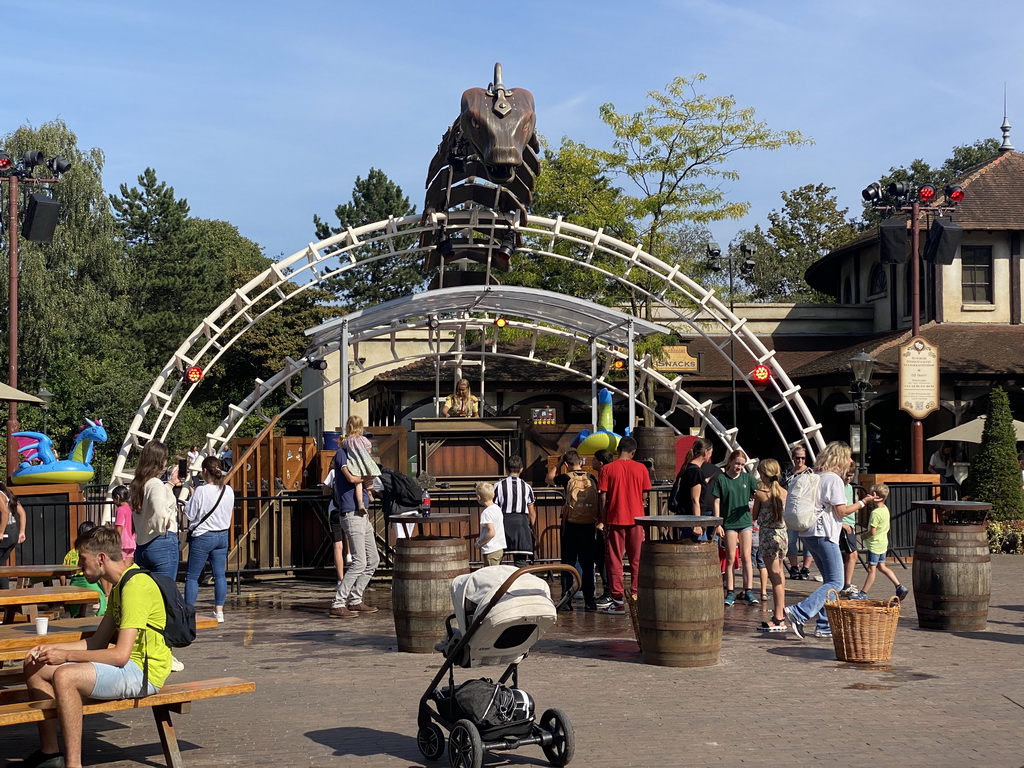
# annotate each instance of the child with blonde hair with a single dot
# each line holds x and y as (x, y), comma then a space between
(492, 527)
(360, 464)
(877, 542)
(769, 502)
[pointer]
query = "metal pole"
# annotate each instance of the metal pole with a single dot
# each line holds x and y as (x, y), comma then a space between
(916, 427)
(12, 331)
(862, 403)
(593, 384)
(343, 355)
(732, 348)
(632, 375)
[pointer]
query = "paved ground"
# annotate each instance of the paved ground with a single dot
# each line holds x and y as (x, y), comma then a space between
(337, 693)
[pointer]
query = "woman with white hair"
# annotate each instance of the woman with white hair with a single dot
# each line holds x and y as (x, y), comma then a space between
(822, 539)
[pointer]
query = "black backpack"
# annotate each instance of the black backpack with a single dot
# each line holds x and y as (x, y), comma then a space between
(180, 627)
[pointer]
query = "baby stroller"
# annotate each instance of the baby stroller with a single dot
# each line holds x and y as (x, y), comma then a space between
(500, 612)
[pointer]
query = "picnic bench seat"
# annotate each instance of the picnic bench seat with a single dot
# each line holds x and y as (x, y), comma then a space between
(176, 697)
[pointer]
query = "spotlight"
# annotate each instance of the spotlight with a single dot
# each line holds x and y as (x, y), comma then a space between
(6, 163)
(954, 193)
(618, 365)
(317, 365)
(444, 245)
(508, 245)
(872, 192)
(193, 374)
(500, 321)
(926, 193)
(433, 322)
(32, 158)
(714, 257)
(761, 374)
(898, 189)
(59, 165)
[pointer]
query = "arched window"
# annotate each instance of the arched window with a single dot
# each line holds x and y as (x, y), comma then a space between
(877, 282)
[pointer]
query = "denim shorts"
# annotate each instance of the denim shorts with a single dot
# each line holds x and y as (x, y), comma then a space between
(119, 682)
(874, 559)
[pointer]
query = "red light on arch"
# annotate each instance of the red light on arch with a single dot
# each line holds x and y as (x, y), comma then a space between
(761, 374)
(194, 374)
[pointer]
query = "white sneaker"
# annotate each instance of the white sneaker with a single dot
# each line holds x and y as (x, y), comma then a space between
(176, 666)
(613, 609)
(817, 577)
(219, 616)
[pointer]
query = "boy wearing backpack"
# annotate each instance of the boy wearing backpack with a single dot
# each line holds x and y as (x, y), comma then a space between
(135, 615)
(579, 525)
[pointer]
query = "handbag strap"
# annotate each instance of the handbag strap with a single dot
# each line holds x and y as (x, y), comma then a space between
(192, 528)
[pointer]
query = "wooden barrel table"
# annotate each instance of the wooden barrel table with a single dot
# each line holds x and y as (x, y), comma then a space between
(952, 577)
(659, 445)
(420, 591)
(680, 611)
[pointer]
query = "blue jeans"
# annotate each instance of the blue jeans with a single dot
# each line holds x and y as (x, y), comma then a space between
(160, 555)
(212, 546)
(830, 562)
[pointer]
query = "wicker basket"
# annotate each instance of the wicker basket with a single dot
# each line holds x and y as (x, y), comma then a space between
(863, 631)
(633, 616)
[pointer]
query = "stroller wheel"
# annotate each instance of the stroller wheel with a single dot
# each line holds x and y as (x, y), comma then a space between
(430, 740)
(563, 742)
(465, 747)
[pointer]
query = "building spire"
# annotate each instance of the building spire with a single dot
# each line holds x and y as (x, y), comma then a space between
(1006, 146)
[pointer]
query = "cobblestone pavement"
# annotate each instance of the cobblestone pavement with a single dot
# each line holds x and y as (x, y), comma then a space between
(337, 693)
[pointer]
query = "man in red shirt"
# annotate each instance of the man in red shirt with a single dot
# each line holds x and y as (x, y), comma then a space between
(621, 492)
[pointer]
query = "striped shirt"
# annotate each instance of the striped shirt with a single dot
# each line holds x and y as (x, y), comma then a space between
(513, 495)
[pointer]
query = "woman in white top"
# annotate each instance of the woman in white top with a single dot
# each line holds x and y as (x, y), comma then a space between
(209, 512)
(822, 539)
(155, 512)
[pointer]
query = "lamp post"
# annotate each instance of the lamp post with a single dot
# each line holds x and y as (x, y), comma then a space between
(943, 242)
(47, 397)
(862, 364)
(744, 262)
(40, 220)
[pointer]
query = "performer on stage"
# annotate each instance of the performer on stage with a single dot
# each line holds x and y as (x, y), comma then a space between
(462, 403)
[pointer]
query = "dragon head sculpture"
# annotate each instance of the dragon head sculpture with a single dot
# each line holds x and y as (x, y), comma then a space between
(499, 123)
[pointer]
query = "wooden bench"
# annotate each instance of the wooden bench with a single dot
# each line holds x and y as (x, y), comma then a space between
(177, 698)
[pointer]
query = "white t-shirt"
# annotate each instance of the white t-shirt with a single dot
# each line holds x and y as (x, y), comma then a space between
(202, 501)
(831, 494)
(937, 461)
(491, 515)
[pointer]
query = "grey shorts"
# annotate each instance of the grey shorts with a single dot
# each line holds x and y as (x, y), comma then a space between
(119, 682)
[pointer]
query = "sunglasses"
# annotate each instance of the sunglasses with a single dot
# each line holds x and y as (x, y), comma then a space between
(799, 458)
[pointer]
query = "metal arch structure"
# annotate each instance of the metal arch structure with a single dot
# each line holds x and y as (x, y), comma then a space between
(685, 300)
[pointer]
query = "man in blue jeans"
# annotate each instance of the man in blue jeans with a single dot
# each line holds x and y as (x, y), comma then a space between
(351, 521)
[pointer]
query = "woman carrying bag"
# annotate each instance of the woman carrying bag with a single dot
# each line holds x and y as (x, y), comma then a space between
(209, 513)
(155, 512)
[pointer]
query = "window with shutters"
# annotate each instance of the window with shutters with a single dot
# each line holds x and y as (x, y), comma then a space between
(976, 273)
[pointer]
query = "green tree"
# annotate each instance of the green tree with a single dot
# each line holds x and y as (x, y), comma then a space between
(810, 225)
(995, 473)
(391, 275)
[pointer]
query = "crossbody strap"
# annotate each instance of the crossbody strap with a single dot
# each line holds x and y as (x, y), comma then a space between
(192, 528)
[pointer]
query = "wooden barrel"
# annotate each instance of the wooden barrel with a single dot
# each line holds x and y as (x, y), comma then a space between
(952, 577)
(659, 445)
(680, 609)
(420, 594)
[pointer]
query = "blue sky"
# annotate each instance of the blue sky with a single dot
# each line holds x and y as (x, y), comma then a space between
(263, 113)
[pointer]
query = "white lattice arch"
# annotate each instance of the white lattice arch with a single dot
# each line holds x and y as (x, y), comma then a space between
(694, 306)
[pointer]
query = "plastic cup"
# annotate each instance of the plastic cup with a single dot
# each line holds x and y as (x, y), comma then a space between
(42, 625)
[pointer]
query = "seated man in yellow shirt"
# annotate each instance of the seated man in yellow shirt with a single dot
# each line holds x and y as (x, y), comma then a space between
(72, 672)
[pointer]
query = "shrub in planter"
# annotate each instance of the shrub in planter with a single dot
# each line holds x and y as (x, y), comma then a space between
(995, 472)
(1006, 537)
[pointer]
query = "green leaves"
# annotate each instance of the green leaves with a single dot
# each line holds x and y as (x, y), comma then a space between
(995, 474)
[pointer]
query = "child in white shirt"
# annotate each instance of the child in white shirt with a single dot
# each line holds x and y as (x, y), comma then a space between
(492, 526)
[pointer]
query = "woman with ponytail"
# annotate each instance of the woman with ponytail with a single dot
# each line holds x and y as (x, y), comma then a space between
(210, 512)
(155, 512)
(769, 501)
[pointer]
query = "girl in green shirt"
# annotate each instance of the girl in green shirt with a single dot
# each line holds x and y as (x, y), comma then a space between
(732, 492)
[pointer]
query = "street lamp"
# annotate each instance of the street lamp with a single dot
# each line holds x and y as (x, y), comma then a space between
(40, 220)
(744, 262)
(47, 397)
(862, 364)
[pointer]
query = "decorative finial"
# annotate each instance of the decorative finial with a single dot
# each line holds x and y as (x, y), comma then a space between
(499, 92)
(1006, 146)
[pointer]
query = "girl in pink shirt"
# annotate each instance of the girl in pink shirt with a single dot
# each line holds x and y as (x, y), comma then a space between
(123, 521)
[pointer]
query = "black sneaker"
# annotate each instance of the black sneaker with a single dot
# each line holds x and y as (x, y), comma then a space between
(590, 606)
(40, 759)
(902, 592)
(604, 600)
(795, 626)
(567, 608)
(794, 573)
(805, 574)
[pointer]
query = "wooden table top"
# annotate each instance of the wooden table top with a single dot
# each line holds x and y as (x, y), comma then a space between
(15, 639)
(38, 595)
(37, 571)
(440, 517)
(678, 521)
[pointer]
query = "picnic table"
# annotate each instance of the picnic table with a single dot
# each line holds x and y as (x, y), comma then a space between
(26, 574)
(17, 639)
(13, 599)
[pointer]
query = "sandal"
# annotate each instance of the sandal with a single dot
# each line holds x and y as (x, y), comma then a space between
(764, 597)
(773, 625)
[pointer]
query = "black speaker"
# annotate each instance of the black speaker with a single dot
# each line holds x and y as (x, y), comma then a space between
(892, 240)
(943, 241)
(40, 218)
